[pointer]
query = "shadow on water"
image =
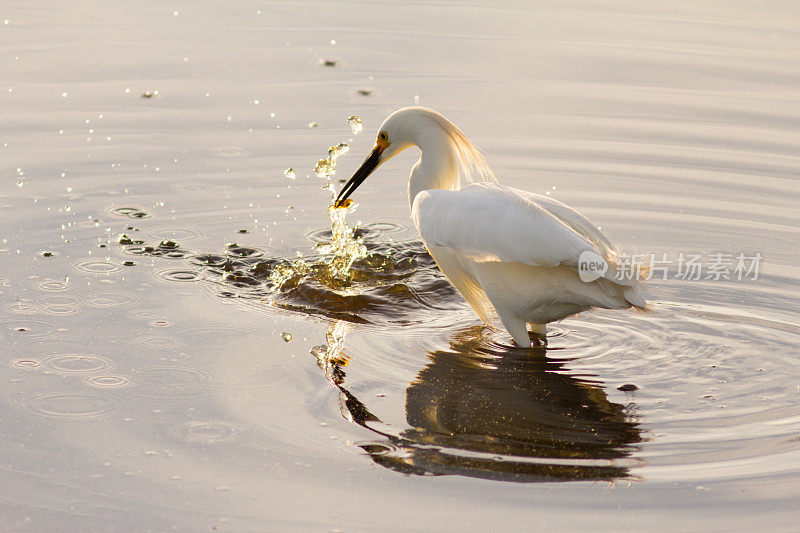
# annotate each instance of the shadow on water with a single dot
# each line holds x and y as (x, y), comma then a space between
(495, 412)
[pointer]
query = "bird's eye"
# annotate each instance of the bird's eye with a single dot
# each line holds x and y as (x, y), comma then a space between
(382, 136)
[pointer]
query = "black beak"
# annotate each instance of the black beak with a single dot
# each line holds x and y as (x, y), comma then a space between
(370, 163)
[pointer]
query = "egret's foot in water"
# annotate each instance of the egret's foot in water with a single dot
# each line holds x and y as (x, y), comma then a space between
(537, 335)
(538, 340)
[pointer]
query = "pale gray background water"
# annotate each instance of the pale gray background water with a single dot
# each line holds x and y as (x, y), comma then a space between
(134, 401)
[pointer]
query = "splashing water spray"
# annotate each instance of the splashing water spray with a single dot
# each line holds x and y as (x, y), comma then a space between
(344, 247)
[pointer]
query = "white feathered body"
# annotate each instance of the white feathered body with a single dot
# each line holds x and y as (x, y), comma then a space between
(518, 252)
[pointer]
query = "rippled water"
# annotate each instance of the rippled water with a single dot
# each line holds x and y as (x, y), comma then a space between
(170, 361)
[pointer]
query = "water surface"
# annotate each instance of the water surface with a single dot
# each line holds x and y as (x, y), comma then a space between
(176, 378)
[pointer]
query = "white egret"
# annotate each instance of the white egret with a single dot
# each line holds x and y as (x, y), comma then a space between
(501, 247)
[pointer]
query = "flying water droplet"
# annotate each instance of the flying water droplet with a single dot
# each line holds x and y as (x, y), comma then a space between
(286, 336)
(355, 124)
(325, 168)
(335, 152)
(290, 173)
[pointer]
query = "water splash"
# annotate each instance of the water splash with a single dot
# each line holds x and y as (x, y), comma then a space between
(348, 273)
(355, 124)
(338, 254)
(286, 270)
(326, 168)
(335, 152)
(344, 246)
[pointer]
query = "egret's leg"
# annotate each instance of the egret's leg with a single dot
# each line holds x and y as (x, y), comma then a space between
(538, 329)
(496, 280)
(515, 327)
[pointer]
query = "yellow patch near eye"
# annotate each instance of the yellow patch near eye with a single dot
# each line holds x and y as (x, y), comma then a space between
(382, 142)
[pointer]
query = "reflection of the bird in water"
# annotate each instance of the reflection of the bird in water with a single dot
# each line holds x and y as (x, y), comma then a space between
(495, 412)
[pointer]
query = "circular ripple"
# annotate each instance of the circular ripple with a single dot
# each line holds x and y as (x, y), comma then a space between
(107, 382)
(110, 299)
(59, 305)
(163, 252)
(160, 342)
(23, 307)
(173, 234)
(130, 212)
(177, 254)
(72, 405)
(144, 313)
(703, 374)
(76, 364)
(27, 364)
(210, 431)
(371, 231)
(207, 260)
(96, 267)
(60, 310)
(171, 382)
(53, 285)
(384, 227)
(31, 329)
(59, 300)
(179, 275)
(243, 251)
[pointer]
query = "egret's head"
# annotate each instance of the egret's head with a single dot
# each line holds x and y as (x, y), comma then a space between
(394, 136)
(423, 127)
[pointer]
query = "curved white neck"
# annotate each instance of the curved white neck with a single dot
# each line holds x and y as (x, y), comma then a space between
(436, 168)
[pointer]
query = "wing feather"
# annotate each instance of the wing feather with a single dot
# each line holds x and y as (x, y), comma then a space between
(464, 283)
(488, 222)
(574, 220)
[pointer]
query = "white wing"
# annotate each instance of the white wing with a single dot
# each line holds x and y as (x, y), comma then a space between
(464, 230)
(487, 222)
(574, 220)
